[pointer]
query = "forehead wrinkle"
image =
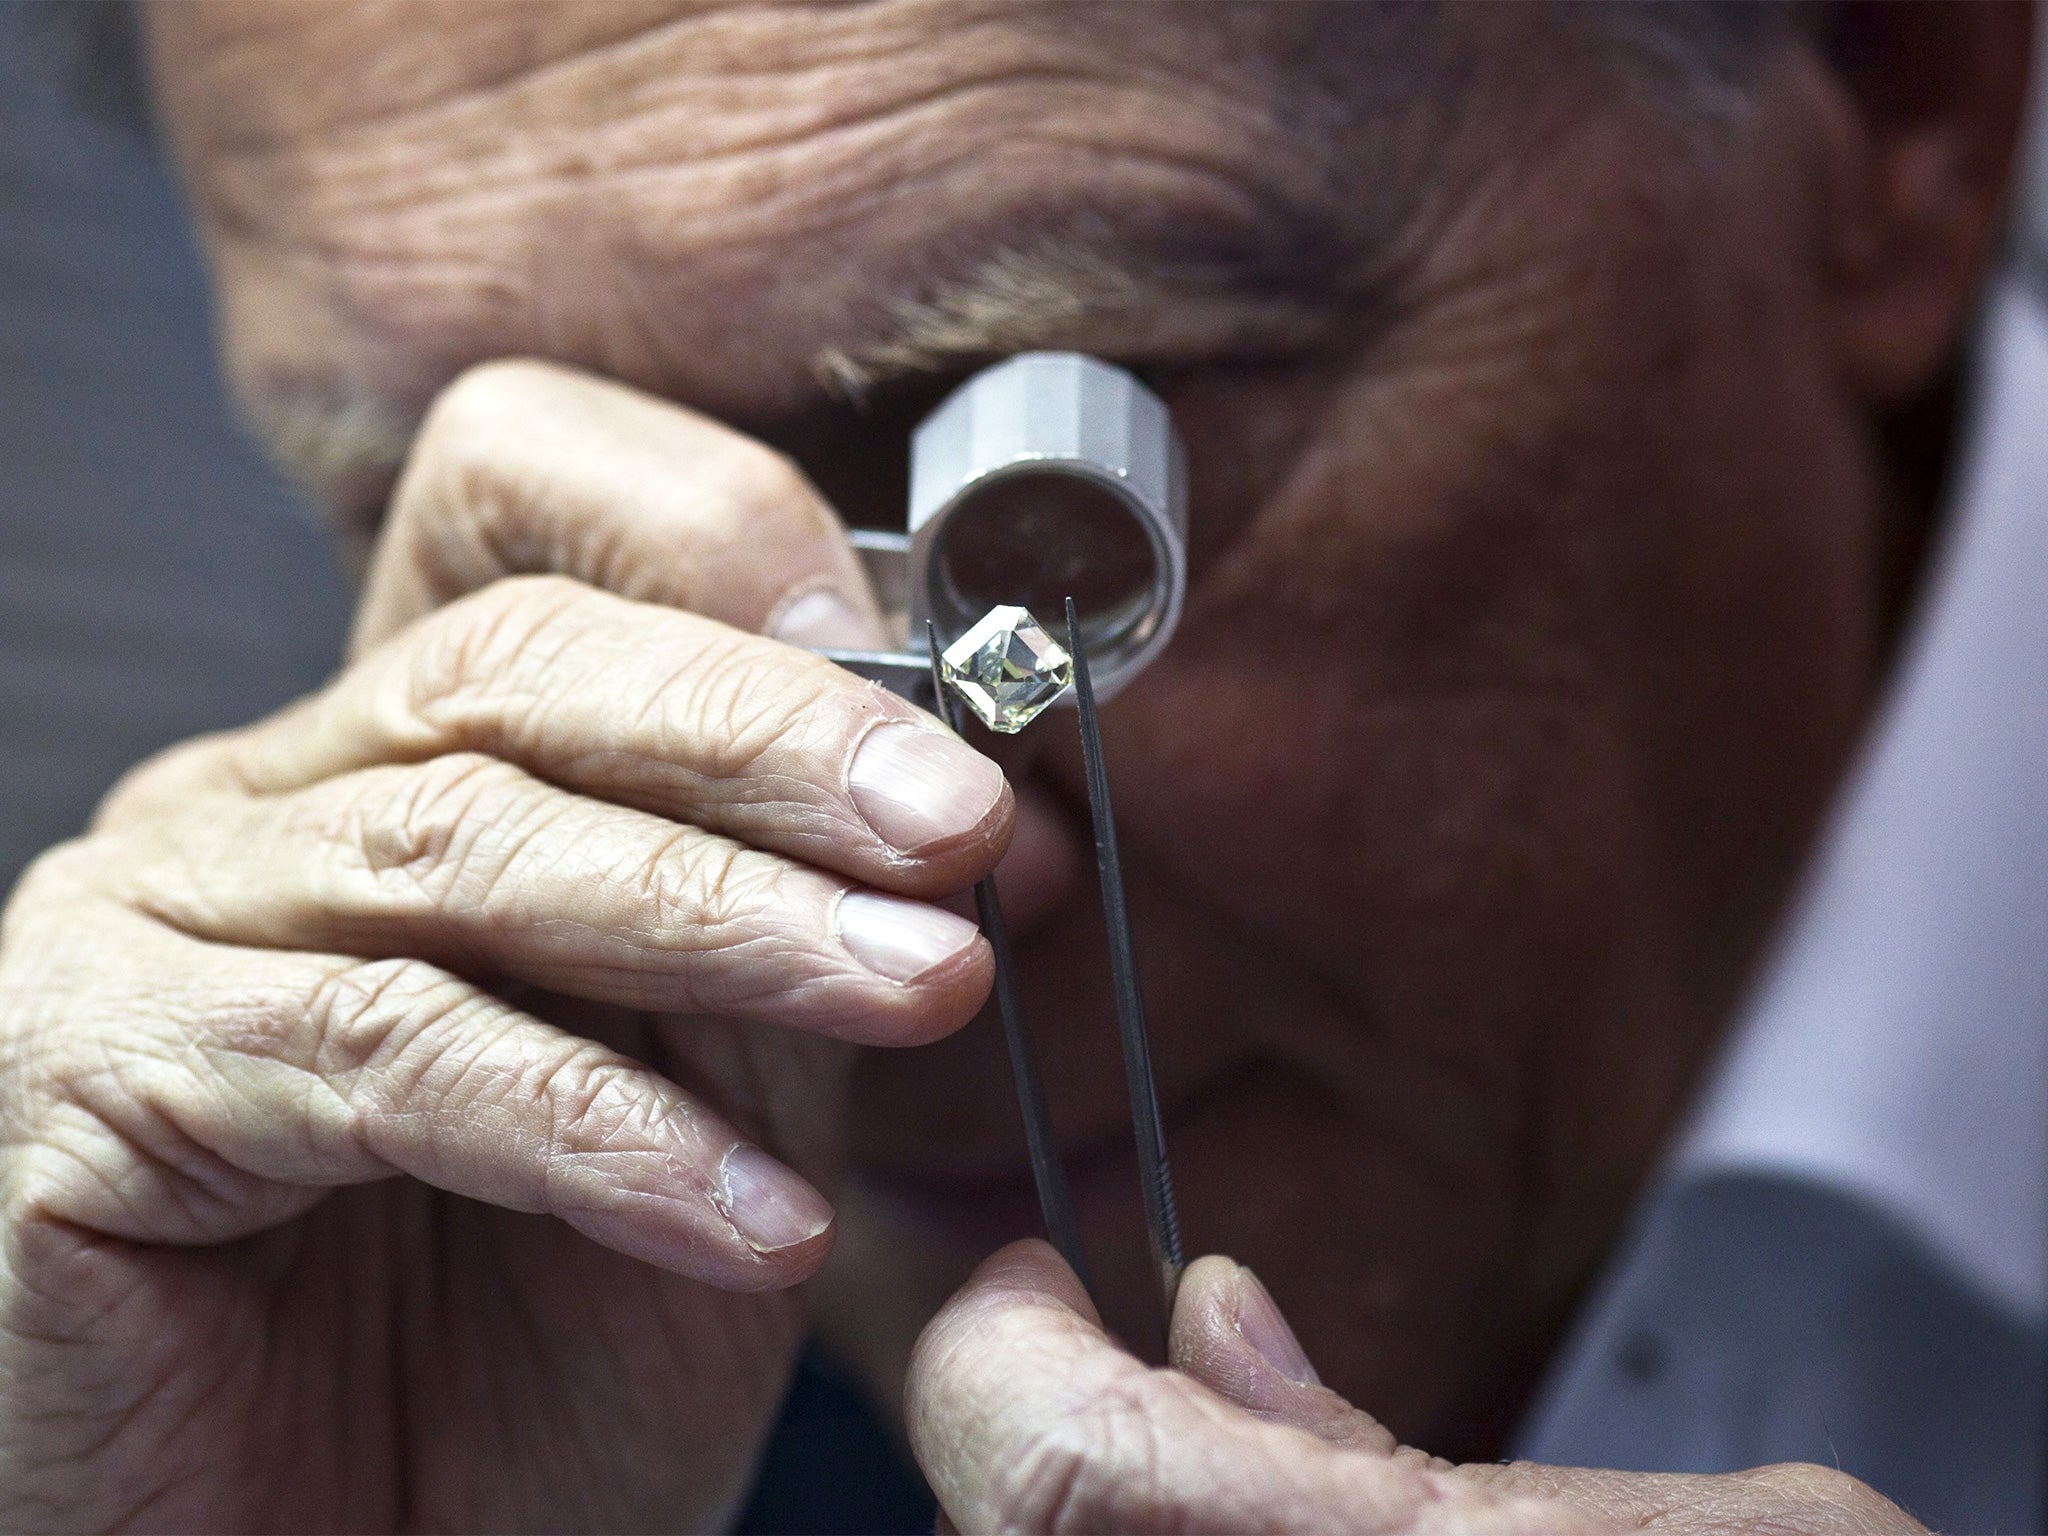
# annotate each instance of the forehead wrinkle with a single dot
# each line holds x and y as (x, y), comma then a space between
(1148, 295)
(1321, 236)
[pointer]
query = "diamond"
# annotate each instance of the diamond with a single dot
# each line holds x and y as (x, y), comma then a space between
(1007, 668)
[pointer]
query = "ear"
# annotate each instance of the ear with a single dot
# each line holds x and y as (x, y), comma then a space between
(1936, 92)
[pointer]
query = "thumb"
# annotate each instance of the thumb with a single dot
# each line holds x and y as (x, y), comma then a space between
(1229, 1334)
(1025, 1416)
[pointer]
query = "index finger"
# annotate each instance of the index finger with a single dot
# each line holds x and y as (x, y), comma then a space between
(643, 706)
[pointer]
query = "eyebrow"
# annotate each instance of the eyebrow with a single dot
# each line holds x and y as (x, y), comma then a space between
(1065, 290)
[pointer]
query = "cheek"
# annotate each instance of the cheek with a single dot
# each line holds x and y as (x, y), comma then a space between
(1511, 710)
(1401, 754)
(1464, 875)
(1559, 623)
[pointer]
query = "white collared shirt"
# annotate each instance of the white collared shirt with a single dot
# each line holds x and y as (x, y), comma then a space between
(1846, 1259)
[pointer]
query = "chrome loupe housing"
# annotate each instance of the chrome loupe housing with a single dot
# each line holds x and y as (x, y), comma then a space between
(1049, 476)
(1046, 476)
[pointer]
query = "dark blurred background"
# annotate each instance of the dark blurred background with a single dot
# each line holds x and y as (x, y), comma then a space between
(156, 579)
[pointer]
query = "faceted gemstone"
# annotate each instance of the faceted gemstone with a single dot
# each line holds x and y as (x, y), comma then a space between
(1007, 668)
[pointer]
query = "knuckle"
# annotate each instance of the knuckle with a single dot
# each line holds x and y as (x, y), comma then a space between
(764, 482)
(81, 969)
(448, 462)
(1807, 1488)
(708, 891)
(167, 779)
(592, 1100)
(471, 413)
(1051, 1483)
(1096, 1468)
(401, 1038)
(471, 504)
(446, 829)
(56, 1278)
(491, 645)
(376, 1022)
(503, 665)
(741, 701)
(57, 877)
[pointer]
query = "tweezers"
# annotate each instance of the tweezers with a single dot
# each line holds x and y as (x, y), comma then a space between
(1055, 1203)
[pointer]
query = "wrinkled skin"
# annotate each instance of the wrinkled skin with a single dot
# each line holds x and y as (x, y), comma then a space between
(1538, 516)
(1028, 1418)
(665, 844)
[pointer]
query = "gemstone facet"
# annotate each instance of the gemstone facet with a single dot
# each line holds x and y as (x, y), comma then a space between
(1007, 668)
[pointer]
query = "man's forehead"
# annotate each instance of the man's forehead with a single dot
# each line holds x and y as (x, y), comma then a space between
(336, 66)
(743, 209)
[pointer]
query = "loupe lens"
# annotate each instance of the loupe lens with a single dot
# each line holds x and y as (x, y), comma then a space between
(1036, 539)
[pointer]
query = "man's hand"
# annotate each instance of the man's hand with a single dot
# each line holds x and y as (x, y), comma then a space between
(1026, 1417)
(542, 924)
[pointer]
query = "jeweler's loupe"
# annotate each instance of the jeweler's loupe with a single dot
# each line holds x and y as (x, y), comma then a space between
(1047, 476)
(1050, 483)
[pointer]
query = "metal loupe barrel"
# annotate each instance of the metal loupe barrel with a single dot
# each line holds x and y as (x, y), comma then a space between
(1047, 476)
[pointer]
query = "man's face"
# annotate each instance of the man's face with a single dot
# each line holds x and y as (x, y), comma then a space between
(1531, 604)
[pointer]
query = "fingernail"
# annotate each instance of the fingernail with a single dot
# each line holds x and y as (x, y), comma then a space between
(823, 620)
(917, 787)
(1261, 1325)
(900, 939)
(767, 1204)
